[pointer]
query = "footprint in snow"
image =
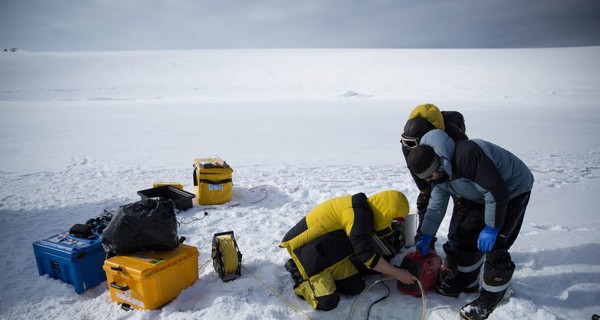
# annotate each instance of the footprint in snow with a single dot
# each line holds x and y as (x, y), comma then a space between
(555, 227)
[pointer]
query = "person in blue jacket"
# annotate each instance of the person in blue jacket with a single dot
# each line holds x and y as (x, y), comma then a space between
(498, 185)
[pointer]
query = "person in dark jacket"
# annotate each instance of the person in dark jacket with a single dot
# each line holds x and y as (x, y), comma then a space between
(422, 119)
(498, 185)
(323, 244)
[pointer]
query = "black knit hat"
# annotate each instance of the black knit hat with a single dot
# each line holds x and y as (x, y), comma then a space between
(417, 127)
(423, 161)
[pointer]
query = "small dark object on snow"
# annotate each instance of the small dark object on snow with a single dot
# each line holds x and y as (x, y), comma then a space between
(181, 198)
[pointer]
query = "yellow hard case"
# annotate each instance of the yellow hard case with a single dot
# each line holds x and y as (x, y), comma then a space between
(149, 280)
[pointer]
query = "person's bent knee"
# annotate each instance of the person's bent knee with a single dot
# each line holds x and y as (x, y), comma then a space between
(319, 291)
(351, 285)
(328, 302)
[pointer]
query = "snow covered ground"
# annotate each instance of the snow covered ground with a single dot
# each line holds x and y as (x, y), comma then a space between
(83, 132)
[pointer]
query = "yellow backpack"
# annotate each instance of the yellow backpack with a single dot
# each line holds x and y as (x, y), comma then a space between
(213, 177)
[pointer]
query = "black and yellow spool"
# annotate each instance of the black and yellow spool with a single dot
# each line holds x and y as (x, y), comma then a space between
(227, 258)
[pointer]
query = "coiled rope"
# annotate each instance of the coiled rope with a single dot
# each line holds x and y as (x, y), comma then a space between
(229, 252)
(227, 259)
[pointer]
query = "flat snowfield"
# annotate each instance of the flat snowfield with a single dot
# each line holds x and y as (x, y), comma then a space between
(83, 132)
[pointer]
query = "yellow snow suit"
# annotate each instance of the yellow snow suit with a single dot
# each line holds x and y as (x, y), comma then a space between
(322, 243)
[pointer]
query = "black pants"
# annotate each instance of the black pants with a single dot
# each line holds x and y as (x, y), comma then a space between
(469, 223)
(499, 267)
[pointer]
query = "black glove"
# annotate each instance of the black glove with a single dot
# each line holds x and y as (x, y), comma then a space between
(423, 199)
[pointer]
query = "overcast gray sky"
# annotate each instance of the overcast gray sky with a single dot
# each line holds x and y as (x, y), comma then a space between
(94, 25)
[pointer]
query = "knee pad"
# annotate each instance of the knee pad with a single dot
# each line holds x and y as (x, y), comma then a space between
(319, 291)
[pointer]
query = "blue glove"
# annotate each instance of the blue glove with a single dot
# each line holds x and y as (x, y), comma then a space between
(487, 238)
(423, 244)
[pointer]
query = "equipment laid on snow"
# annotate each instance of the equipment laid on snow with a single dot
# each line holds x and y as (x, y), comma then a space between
(227, 258)
(181, 198)
(409, 229)
(398, 238)
(213, 178)
(82, 231)
(425, 268)
(144, 225)
(389, 246)
(151, 279)
(174, 184)
(100, 223)
(73, 260)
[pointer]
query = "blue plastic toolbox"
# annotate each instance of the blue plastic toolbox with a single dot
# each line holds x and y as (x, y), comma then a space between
(76, 261)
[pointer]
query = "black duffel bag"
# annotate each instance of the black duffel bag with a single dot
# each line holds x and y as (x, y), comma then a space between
(145, 225)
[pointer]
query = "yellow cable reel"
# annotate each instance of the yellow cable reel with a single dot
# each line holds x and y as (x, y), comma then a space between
(227, 258)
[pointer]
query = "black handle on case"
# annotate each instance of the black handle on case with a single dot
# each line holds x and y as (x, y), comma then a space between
(194, 177)
(118, 287)
(216, 181)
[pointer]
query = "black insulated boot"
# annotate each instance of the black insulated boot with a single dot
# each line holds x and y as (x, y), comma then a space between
(291, 267)
(453, 282)
(448, 267)
(482, 307)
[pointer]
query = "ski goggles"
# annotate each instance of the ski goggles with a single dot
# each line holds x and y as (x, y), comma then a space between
(409, 142)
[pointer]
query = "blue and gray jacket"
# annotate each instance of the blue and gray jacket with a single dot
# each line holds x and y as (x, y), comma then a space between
(479, 171)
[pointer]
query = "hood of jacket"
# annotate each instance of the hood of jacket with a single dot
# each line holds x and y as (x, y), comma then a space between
(387, 206)
(430, 113)
(443, 146)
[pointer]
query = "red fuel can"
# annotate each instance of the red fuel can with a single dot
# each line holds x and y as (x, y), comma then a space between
(425, 268)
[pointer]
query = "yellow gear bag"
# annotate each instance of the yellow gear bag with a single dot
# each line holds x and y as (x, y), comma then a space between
(319, 291)
(213, 177)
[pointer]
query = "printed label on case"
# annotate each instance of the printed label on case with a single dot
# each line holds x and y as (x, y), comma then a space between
(215, 187)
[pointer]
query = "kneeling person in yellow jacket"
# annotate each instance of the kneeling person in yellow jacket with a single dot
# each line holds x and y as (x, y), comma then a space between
(324, 243)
